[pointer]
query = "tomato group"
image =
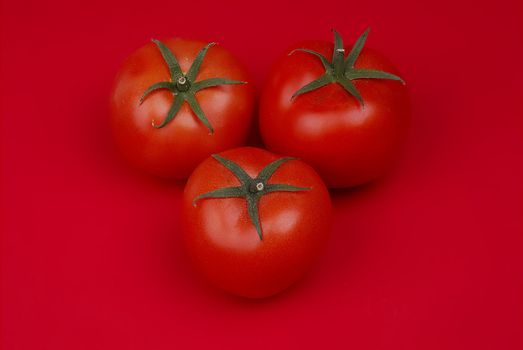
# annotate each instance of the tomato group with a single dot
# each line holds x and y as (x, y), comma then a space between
(254, 222)
(176, 102)
(342, 110)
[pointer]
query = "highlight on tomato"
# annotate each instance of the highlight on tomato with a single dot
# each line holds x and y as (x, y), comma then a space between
(254, 222)
(344, 110)
(177, 101)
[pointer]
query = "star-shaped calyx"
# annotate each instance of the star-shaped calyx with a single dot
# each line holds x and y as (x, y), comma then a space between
(252, 189)
(341, 70)
(183, 86)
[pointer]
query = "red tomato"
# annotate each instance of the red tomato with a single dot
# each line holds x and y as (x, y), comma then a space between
(255, 222)
(351, 118)
(167, 117)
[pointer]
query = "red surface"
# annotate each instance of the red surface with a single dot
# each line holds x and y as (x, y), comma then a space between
(430, 257)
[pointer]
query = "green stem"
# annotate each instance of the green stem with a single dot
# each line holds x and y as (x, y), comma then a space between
(338, 62)
(183, 84)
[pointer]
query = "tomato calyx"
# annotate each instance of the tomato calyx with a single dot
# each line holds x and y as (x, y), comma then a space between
(252, 189)
(341, 70)
(183, 85)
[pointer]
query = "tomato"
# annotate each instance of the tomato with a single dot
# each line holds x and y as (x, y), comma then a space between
(345, 114)
(176, 102)
(255, 222)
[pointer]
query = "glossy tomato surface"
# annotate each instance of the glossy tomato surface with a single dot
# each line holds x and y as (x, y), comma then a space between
(222, 240)
(176, 149)
(346, 143)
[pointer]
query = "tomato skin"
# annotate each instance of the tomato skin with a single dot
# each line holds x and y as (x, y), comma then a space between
(347, 144)
(222, 242)
(176, 149)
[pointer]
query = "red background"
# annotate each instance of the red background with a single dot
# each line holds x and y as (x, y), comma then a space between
(430, 257)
